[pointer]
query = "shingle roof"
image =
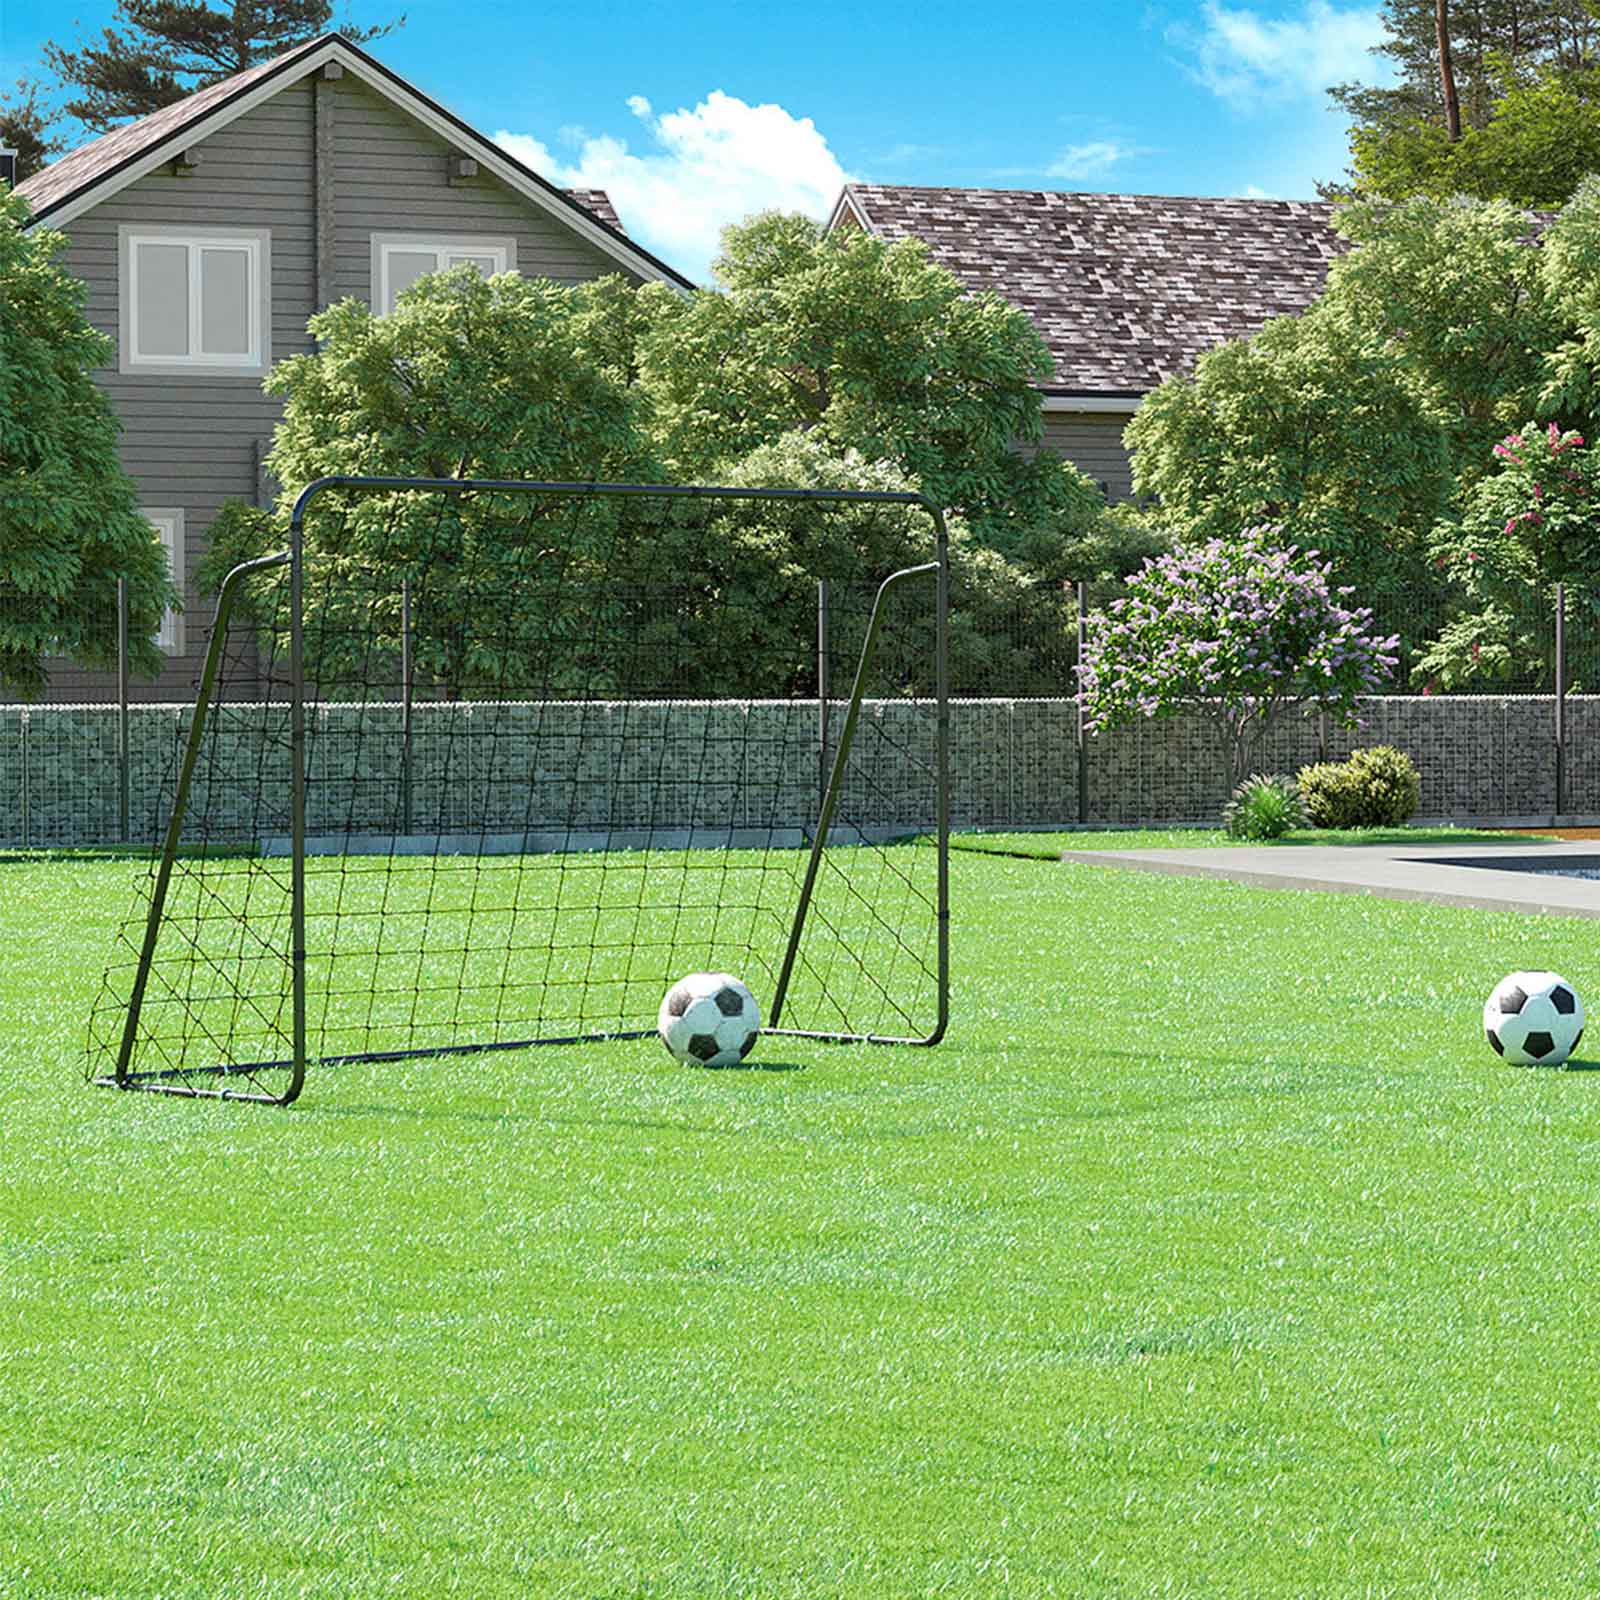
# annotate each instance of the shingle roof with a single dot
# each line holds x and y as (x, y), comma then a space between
(98, 159)
(1126, 289)
(598, 204)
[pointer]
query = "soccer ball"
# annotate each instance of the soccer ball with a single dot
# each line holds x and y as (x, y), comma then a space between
(1534, 1019)
(709, 1019)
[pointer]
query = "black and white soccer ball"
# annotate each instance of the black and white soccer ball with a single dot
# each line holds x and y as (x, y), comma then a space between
(1534, 1019)
(709, 1019)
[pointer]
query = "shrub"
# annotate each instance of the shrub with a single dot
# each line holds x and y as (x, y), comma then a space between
(1389, 786)
(1330, 793)
(1376, 788)
(1263, 808)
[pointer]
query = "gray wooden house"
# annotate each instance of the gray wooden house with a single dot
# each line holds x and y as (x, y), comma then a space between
(1126, 289)
(209, 232)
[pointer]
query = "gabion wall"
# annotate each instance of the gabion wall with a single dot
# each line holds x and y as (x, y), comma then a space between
(1013, 764)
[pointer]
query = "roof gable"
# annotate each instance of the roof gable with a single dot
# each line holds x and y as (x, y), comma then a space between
(1125, 289)
(68, 187)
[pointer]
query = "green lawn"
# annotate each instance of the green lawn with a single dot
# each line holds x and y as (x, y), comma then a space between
(1214, 1254)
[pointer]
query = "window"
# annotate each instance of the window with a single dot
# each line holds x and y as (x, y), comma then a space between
(194, 302)
(399, 259)
(169, 524)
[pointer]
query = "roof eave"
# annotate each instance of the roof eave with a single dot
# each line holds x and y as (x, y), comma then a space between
(1118, 402)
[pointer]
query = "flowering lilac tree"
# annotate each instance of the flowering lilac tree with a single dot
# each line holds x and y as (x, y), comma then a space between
(1238, 631)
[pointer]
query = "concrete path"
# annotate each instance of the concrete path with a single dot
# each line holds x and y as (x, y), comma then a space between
(1396, 872)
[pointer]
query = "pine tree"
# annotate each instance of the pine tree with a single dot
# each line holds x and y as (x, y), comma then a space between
(1490, 41)
(25, 126)
(1493, 98)
(166, 49)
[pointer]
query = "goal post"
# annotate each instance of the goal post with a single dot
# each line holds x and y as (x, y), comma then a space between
(460, 777)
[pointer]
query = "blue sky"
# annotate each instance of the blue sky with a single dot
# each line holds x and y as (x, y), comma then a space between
(697, 112)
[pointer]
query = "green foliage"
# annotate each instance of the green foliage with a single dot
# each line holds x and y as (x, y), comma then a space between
(1237, 631)
(25, 126)
(163, 50)
(69, 514)
(1541, 139)
(1306, 426)
(1523, 71)
(518, 378)
(1377, 787)
(468, 378)
(771, 553)
(876, 349)
(1263, 808)
(1569, 258)
(1363, 424)
(1452, 290)
(1527, 527)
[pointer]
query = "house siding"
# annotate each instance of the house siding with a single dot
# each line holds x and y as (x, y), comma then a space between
(195, 441)
(1092, 441)
(191, 441)
(391, 174)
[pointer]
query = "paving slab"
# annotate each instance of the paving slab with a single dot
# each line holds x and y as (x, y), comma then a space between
(1452, 875)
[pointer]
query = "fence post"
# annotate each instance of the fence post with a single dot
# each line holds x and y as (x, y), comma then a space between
(27, 839)
(822, 691)
(1561, 699)
(406, 695)
(1083, 736)
(123, 776)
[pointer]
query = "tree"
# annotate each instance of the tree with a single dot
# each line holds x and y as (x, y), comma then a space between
(1238, 632)
(1453, 290)
(1526, 527)
(877, 349)
(70, 514)
(1496, 98)
(1308, 427)
(522, 378)
(25, 126)
(166, 49)
(1540, 140)
(468, 378)
(1360, 422)
(1481, 40)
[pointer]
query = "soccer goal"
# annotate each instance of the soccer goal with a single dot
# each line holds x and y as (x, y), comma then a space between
(474, 766)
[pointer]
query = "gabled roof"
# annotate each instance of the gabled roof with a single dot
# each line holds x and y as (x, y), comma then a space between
(68, 187)
(1126, 289)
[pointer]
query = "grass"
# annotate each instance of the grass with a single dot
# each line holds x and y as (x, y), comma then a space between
(1213, 1255)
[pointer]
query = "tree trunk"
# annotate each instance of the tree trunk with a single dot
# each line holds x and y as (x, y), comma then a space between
(1447, 71)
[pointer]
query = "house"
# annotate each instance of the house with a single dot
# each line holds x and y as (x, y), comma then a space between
(209, 232)
(1126, 289)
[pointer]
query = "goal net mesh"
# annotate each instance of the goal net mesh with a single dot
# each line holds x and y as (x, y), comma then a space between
(558, 751)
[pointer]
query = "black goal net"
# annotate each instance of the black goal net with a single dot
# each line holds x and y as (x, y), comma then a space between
(473, 767)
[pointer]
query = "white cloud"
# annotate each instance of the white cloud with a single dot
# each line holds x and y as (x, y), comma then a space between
(702, 169)
(1254, 191)
(1249, 59)
(1091, 159)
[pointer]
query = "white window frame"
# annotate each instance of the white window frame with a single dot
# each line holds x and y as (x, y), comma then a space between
(502, 250)
(256, 242)
(168, 523)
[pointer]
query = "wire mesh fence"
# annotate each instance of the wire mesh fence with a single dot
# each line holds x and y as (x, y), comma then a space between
(88, 773)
